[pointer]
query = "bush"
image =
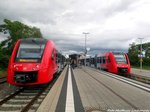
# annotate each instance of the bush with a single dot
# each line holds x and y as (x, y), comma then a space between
(146, 61)
(4, 59)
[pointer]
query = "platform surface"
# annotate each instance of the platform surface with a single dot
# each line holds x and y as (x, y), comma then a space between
(83, 89)
(145, 73)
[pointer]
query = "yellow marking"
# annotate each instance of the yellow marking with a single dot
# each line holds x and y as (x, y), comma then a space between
(27, 60)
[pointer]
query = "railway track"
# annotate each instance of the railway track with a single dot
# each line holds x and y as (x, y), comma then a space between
(136, 77)
(26, 98)
(114, 92)
(126, 80)
(140, 78)
(2, 80)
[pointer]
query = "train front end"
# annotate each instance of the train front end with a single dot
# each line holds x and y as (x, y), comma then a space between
(122, 63)
(26, 65)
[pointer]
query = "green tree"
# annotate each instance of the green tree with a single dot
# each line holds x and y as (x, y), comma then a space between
(134, 51)
(16, 30)
(133, 54)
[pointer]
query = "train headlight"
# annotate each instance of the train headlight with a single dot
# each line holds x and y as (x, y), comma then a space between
(16, 68)
(37, 66)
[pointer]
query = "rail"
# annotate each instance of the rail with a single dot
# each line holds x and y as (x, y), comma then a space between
(140, 78)
(2, 80)
(126, 80)
(26, 97)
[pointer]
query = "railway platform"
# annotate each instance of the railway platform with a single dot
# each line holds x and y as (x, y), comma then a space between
(141, 75)
(144, 73)
(87, 90)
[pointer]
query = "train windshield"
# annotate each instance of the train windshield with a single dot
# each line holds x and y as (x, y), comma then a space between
(120, 58)
(30, 52)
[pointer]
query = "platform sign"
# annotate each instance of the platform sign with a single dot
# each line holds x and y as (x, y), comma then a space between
(141, 55)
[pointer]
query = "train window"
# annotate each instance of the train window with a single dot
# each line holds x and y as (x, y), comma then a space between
(100, 59)
(53, 55)
(29, 51)
(120, 58)
(97, 59)
(57, 57)
(92, 60)
(109, 59)
(104, 60)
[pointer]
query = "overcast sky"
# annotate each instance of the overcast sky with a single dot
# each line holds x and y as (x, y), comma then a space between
(112, 24)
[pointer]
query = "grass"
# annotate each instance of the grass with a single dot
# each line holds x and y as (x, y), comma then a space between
(3, 73)
(144, 67)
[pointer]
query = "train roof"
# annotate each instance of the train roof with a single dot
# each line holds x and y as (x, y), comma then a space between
(118, 52)
(35, 40)
(105, 53)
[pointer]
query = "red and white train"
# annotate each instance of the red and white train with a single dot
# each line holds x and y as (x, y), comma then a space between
(114, 62)
(33, 61)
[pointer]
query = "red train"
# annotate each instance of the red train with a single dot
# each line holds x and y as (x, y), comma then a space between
(115, 62)
(33, 61)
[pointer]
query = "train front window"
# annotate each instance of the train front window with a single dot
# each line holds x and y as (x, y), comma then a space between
(120, 58)
(29, 52)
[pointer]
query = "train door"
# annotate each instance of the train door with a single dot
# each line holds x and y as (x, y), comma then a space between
(92, 62)
(58, 59)
(53, 58)
(98, 62)
(108, 61)
(95, 61)
(104, 63)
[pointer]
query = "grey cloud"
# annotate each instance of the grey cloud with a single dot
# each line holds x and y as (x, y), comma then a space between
(117, 7)
(43, 11)
(64, 21)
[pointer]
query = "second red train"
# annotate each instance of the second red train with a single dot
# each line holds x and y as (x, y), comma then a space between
(114, 62)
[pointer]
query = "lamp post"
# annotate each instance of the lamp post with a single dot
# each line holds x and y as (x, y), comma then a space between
(141, 56)
(85, 33)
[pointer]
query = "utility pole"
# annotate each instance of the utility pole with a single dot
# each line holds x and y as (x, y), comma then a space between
(85, 33)
(141, 55)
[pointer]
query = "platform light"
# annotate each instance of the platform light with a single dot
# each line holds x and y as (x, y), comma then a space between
(85, 33)
(141, 60)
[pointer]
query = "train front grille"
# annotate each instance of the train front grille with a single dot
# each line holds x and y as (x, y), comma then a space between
(25, 77)
(122, 70)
